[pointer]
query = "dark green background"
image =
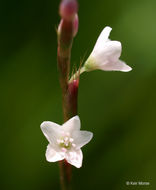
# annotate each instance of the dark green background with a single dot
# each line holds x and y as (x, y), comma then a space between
(119, 108)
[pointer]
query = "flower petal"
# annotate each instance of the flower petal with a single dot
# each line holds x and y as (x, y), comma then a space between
(105, 55)
(81, 138)
(51, 131)
(52, 155)
(116, 66)
(72, 124)
(102, 38)
(111, 51)
(75, 158)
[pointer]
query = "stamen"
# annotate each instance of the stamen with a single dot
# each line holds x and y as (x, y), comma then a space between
(64, 149)
(71, 140)
(66, 142)
(66, 139)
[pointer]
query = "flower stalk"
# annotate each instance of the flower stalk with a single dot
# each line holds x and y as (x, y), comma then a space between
(66, 31)
(70, 109)
(65, 175)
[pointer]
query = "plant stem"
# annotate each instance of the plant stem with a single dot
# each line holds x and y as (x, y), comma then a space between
(65, 39)
(69, 89)
(65, 175)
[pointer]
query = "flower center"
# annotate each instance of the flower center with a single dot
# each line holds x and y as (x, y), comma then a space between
(66, 142)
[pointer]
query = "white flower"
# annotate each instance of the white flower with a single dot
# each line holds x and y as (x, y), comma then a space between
(105, 55)
(65, 141)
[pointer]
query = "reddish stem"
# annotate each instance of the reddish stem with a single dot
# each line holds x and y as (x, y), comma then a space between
(68, 10)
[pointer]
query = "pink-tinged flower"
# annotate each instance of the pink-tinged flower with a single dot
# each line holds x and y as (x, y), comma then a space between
(105, 55)
(65, 141)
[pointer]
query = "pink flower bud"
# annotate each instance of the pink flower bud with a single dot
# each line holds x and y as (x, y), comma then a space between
(75, 25)
(68, 9)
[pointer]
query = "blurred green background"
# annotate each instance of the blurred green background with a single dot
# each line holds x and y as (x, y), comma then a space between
(119, 108)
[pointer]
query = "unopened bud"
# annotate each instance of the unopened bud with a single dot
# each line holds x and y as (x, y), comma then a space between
(68, 9)
(75, 25)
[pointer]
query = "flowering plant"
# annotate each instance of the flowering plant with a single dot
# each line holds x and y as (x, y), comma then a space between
(65, 141)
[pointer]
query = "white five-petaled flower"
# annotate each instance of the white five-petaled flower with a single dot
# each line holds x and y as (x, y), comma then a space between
(105, 55)
(65, 141)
